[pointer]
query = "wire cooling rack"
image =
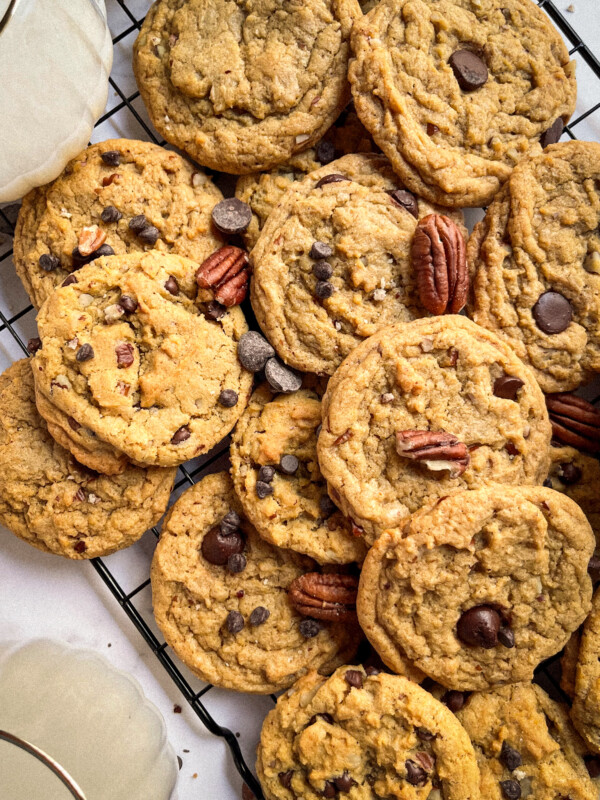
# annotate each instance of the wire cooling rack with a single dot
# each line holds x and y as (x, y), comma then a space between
(125, 116)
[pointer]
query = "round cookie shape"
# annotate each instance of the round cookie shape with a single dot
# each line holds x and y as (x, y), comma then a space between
(585, 711)
(364, 735)
(52, 502)
(146, 381)
(315, 315)
(452, 143)
(207, 611)
(139, 196)
(295, 511)
(477, 590)
(535, 264)
(243, 86)
(445, 377)
(521, 736)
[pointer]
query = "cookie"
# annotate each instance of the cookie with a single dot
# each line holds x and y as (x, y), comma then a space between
(568, 663)
(332, 264)
(364, 735)
(277, 478)
(578, 476)
(50, 501)
(456, 92)
(476, 412)
(585, 712)
(220, 597)
(137, 195)
(525, 745)
(481, 588)
(241, 86)
(129, 355)
(535, 263)
(262, 191)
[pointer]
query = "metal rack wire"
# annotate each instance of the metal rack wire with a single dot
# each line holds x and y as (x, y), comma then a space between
(548, 674)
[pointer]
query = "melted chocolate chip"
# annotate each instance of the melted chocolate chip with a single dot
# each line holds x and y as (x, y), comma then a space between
(85, 353)
(33, 345)
(181, 434)
(110, 214)
(469, 70)
(214, 311)
(415, 774)
(344, 783)
(594, 569)
(217, 547)
(507, 387)
(510, 757)
(49, 262)
(333, 178)
(479, 626)
(234, 622)
(354, 678)
(424, 735)
(506, 637)
(569, 474)
(112, 158)
(405, 200)
(128, 304)
(454, 700)
(325, 152)
(511, 789)
(553, 134)
(69, 280)
(259, 616)
(171, 285)
(552, 313)
(285, 778)
(329, 791)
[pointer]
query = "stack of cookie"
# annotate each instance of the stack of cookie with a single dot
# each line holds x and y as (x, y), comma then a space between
(398, 470)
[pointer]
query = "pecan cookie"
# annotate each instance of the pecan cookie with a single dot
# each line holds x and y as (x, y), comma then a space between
(128, 354)
(118, 196)
(585, 712)
(455, 92)
(364, 734)
(426, 409)
(242, 86)
(52, 502)
(535, 260)
(525, 745)
(277, 478)
(479, 589)
(220, 597)
(333, 264)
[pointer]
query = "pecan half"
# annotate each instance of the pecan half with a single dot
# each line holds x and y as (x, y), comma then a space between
(438, 256)
(90, 240)
(437, 449)
(331, 596)
(226, 272)
(574, 421)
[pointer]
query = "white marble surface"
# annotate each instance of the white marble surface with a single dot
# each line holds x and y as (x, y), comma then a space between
(46, 595)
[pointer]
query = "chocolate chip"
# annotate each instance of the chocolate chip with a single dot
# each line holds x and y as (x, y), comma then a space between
(235, 622)
(344, 783)
(507, 386)
(49, 262)
(511, 789)
(479, 626)
(552, 312)
(231, 216)
(73, 424)
(214, 310)
(128, 304)
(372, 671)
(124, 353)
(506, 637)
(405, 200)
(85, 353)
(510, 757)
(111, 158)
(69, 280)
(327, 506)
(569, 473)
(33, 345)
(325, 152)
(454, 700)
(266, 474)
(354, 678)
(236, 563)
(230, 522)
(149, 234)
(469, 70)
(324, 290)
(110, 214)
(329, 791)
(254, 351)
(80, 261)
(333, 178)
(181, 435)
(259, 616)
(288, 464)
(309, 628)
(424, 735)
(415, 774)
(171, 285)
(263, 489)
(322, 270)
(431, 129)
(285, 778)
(553, 134)
(593, 766)
(547, 483)
(281, 378)
(320, 250)
(80, 547)
(138, 223)
(217, 547)
(228, 398)
(594, 568)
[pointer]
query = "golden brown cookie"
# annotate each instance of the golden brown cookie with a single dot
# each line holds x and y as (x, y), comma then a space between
(585, 712)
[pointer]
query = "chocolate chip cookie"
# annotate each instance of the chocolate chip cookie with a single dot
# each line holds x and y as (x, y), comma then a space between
(578, 476)
(525, 745)
(479, 589)
(535, 260)
(277, 478)
(118, 196)
(128, 354)
(333, 264)
(220, 597)
(52, 502)
(423, 410)
(585, 712)
(243, 86)
(456, 92)
(364, 734)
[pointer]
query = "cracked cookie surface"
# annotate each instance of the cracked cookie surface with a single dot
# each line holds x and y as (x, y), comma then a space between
(194, 598)
(52, 502)
(147, 380)
(456, 146)
(433, 374)
(518, 554)
(175, 197)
